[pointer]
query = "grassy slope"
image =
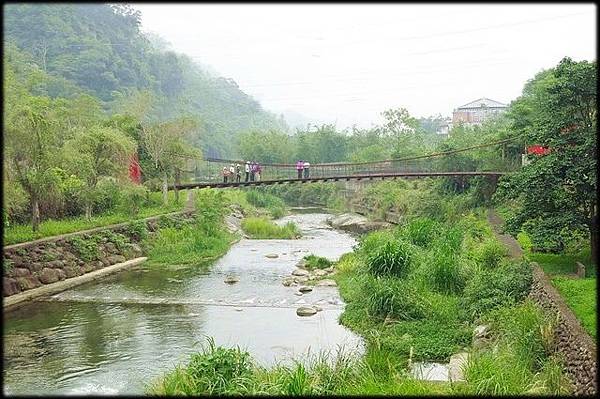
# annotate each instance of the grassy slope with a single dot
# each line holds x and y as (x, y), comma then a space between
(579, 294)
(48, 228)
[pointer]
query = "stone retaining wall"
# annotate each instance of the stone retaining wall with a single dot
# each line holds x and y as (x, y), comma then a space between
(34, 264)
(577, 348)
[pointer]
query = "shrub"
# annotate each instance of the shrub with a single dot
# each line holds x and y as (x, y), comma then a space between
(421, 231)
(491, 253)
(213, 371)
(132, 197)
(390, 297)
(492, 288)
(137, 230)
(369, 243)
(521, 328)
(392, 259)
(107, 194)
(87, 248)
(446, 274)
(7, 265)
(452, 238)
(524, 241)
(121, 242)
(316, 262)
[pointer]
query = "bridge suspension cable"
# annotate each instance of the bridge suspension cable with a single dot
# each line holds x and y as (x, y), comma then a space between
(432, 155)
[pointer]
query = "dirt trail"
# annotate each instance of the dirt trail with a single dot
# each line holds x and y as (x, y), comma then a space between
(514, 249)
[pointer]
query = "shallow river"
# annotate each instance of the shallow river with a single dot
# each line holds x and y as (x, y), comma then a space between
(117, 335)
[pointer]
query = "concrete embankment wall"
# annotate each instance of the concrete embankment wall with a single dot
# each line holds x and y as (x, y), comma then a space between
(34, 264)
(576, 347)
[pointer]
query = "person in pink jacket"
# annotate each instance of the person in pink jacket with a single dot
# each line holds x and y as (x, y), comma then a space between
(299, 168)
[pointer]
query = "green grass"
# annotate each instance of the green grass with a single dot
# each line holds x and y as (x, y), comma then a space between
(197, 241)
(580, 296)
(231, 371)
(556, 264)
(316, 262)
(48, 228)
(263, 228)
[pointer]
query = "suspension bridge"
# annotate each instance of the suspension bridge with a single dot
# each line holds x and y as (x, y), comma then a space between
(209, 174)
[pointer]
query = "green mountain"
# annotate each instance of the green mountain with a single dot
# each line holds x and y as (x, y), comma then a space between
(99, 49)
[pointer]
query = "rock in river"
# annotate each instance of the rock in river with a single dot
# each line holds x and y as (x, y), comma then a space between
(306, 311)
(355, 223)
(327, 283)
(231, 279)
(305, 288)
(272, 256)
(300, 272)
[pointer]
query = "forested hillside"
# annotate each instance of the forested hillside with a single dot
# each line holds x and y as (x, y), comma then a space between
(99, 49)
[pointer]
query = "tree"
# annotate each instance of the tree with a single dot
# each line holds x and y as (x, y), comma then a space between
(164, 143)
(97, 152)
(558, 191)
(32, 146)
(404, 133)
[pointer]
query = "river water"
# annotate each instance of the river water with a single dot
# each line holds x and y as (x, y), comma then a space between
(117, 335)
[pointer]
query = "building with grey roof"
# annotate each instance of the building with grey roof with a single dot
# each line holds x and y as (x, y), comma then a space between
(478, 111)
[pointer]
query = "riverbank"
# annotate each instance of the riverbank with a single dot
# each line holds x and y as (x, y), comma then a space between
(138, 323)
(440, 287)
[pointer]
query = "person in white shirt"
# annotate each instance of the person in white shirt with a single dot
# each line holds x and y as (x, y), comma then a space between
(247, 170)
(306, 169)
(232, 172)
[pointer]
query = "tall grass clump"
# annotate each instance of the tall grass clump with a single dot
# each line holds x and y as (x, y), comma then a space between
(369, 243)
(492, 288)
(421, 231)
(213, 371)
(391, 259)
(446, 275)
(393, 298)
(490, 253)
(262, 228)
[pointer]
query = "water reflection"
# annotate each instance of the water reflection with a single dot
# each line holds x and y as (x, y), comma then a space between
(116, 335)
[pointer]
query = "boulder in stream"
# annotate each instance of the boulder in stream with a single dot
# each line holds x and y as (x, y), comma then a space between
(305, 289)
(327, 283)
(355, 223)
(231, 279)
(306, 311)
(300, 272)
(272, 256)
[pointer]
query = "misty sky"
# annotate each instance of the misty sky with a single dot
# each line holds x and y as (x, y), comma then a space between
(345, 63)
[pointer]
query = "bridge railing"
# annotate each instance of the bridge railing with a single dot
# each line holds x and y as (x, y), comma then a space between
(211, 171)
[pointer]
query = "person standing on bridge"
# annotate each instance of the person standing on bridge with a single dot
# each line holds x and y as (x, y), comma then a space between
(252, 170)
(232, 172)
(238, 172)
(225, 174)
(306, 169)
(258, 170)
(247, 170)
(299, 168)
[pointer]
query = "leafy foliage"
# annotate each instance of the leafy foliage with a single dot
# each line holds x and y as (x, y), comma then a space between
(558, 190)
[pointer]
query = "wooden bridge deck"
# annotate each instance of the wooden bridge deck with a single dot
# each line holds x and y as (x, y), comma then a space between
(371, 176)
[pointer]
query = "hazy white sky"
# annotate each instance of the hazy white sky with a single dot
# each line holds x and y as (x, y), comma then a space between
(346, 63)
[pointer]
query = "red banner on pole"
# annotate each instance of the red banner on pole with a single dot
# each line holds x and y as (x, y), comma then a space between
(135, 171)
(538, 150)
